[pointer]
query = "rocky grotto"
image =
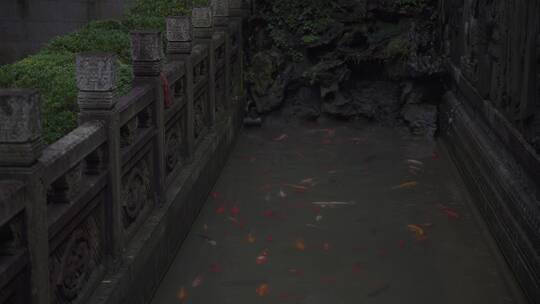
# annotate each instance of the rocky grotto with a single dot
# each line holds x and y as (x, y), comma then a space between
(347, 59)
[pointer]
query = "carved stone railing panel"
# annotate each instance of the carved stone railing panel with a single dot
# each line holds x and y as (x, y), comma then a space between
(14, 263)
(176, 149)
(66, 165)
(65, 162)
(137, 192)
(137, 121)
(86, 195)
(77, 254)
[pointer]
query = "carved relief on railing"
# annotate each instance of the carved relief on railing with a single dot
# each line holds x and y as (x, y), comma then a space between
(175, 142)
(137, 196)
(76, 257)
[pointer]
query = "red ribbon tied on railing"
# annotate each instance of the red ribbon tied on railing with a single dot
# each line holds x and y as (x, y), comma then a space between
(166, 94)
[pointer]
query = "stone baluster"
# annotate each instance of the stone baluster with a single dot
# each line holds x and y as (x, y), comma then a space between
(147, 65)
(21, 145)
(179, 47)
(203, 31)
(96, 84)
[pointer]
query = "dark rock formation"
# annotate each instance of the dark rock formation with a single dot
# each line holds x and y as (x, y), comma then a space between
(347, 59)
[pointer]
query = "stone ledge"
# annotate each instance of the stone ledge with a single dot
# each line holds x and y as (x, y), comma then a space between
(501, 191)
(154, 246)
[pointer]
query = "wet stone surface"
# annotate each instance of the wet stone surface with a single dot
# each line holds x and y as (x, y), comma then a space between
(337, 213)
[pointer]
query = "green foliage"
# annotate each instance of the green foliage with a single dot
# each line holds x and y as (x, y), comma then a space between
(289, 21)
(158, 8)
(104, 36)
(414, 5)
(52, 70)
(310, 38)
(398, 48)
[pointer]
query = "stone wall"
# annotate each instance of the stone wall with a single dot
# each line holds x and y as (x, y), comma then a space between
(491, 120)
(98, 215)
(26, 25)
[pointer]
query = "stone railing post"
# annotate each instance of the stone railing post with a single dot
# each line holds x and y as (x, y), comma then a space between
(21, 145)
(179, 48)
(146, 48)
(221, 9)
(96, 83)
(222, 21)
(203, 31)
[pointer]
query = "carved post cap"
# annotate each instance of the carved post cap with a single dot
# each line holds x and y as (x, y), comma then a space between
(146, 45)
(146, 52)
(179, 35)
(221, 8)
(203, 22)
(20, 127)
(179, 29)
(96, 80)
(96, 72)
(202, 17)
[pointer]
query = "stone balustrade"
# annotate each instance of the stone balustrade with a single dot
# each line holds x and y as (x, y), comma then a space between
(97, 215)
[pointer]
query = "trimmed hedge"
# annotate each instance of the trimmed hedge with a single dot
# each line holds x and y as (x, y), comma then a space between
(52, 70)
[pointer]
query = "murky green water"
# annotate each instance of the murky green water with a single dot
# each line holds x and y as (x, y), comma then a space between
(338, 213)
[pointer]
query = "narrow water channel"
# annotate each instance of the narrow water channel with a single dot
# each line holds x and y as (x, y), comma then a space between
(338, 213)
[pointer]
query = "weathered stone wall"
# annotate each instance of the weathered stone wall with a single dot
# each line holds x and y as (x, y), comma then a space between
(491, 120)
(25, 25)
(97, 216)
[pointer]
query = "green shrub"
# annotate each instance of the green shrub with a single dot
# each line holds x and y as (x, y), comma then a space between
(52, 70)
(104, 36)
